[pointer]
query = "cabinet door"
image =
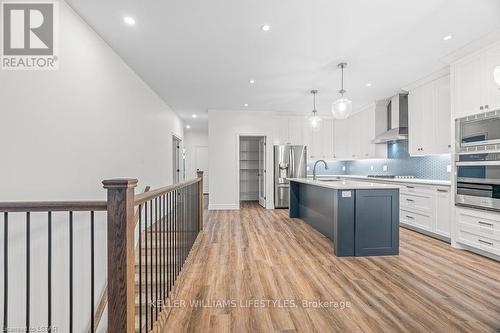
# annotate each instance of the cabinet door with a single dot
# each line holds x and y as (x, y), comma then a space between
(308, 139)
(443, 212)
(468, 82)
(442, 117)
(341, 138)
(491, 61)
(280, 130)
(295, 127)
(416, 122)
(327, 148)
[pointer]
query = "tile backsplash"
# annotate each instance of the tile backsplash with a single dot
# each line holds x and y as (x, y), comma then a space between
(399, 163)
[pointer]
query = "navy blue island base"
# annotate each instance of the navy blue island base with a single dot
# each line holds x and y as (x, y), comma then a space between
(360, 221)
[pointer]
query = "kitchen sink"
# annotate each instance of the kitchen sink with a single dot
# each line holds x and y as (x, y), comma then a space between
(329, 180)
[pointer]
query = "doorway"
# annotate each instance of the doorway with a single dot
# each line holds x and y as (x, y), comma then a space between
(201, 163)
(252, 169)
(176, 159)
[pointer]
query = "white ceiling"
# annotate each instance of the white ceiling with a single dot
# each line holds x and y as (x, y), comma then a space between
(199, 55)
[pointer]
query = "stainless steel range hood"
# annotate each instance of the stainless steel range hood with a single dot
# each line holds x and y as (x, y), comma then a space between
(397, 120)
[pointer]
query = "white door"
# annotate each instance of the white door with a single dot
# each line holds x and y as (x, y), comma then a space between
(262, 172)
(201, 160)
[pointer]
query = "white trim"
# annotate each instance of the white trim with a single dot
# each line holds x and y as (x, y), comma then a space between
(238, 135)
(445, 71)
(223, 207)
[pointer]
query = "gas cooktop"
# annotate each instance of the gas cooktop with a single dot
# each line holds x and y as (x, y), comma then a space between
(391, 177)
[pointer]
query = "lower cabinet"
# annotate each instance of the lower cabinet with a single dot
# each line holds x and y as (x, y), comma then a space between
(376, 227)
(478, 229)
(427, 208)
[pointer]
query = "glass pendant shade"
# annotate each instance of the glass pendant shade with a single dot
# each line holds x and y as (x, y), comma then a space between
(342, 108)
(315, 122)
(496, 75)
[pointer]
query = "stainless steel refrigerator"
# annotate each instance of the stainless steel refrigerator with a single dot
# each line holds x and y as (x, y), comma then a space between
(289, 162)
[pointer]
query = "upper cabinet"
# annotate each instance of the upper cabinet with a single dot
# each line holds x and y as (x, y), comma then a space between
(429, 118)
(475, 89)
(320, 142)
(353, 137)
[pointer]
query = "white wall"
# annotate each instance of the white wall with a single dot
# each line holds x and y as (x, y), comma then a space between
(223, 130)
(61, 133)
(193, 139)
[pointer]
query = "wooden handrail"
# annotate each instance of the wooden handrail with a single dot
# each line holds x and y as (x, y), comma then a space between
(144, 197)
(53, 206)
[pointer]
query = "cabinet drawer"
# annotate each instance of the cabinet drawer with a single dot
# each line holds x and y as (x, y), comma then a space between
(479, 242)
(480, 226)
(417, 190)
(421, 203)
(418, 220)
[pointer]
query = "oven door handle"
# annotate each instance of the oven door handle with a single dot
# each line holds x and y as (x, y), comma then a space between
(479, 163)
(478, 181)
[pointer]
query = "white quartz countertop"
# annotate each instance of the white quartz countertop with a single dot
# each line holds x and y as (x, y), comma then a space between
(390, 180)
(345, 184)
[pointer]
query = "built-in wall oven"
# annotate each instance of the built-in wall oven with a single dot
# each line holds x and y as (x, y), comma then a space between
(478, 133)
(478, 181)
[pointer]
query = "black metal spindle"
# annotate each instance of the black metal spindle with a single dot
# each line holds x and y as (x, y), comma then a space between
(169, 248)
(71, 271)
(156, 256)
(151, 270)
(140, 268)
(146, 259)
(28, 250)
(5, 269)
(49, 273)
(164, 246)
(162, 254)
(92, 272)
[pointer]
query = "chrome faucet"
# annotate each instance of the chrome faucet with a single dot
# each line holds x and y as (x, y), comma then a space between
(314, 169)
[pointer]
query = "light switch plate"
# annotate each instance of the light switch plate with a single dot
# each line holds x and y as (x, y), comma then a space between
(448, 168)
(384, 168)
(343, 168)
(346, 194)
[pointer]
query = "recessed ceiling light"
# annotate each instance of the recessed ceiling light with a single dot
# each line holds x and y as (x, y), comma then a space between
(129, 20)
(447, 37)
(194, 116)
(368, 84)
(188, 126)
(245, 105)
(265, 27)
(251, 81)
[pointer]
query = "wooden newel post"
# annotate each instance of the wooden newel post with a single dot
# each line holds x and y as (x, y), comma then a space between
(200, 199)
(121, 256)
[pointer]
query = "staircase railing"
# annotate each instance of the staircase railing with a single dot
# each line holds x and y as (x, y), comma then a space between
(169, 220)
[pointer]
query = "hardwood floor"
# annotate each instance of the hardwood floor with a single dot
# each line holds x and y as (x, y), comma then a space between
(258, 254)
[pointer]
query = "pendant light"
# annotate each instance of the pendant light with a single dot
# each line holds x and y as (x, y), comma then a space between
(314, 119)
(342, 107)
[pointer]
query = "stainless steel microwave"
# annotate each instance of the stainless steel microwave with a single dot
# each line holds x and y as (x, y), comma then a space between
(478, 133)
(478, 181)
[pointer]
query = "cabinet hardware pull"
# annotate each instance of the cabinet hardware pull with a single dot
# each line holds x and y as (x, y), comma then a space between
(410, 217)
(444, 191)
(485, 242)
(410, 187)
(411, 200)
(485, 223)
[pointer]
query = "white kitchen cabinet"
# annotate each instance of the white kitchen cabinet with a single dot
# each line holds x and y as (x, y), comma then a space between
(468, 94)
(353, 137)
(475, 89)
(429, 118)
(491, 60)
(296, 130)
(479, 230)
(443, 211)
(327, 139)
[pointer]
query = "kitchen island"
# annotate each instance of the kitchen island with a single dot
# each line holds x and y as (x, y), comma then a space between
(361, 218)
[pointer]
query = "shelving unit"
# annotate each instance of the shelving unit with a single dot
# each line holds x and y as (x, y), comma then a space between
(249, 168)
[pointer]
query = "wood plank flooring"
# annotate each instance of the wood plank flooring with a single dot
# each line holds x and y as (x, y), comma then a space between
(257, 255)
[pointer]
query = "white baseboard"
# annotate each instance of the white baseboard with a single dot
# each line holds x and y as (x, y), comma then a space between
(223, 207)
